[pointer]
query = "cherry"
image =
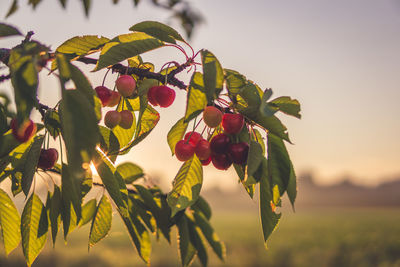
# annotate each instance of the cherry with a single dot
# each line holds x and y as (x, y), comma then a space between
(114, 99)
(184, 150)
(202, 149)
(47, 158)
(23, 132)
(126, 85)
(151, 95)
(212, 116)
(126, 119)
(194, 138)
(206, 161)
(219, 144)
(232, 123)
(104, 94)
(221, 161)
(238, 152)
(112, 118)
(161, 95)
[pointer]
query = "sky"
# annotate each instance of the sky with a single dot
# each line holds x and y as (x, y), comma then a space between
(339, 58)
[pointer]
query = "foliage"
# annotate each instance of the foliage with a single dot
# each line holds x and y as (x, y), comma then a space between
(75, 123)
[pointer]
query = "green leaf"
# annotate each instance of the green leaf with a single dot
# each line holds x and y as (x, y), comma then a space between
(16, 187)
(287, 105)
(108, 141)
(79, 130)
(186, 185)
(88, 211)
(158, 30)
(213, 75)
(159, 209)
(186, 248)
(259, 139)
(24, 79)
(30, 165)
(197, 242)
(126, 46)
(265, 107)
(9, 222)
(101, 223)
(55, 207)
(112, 181)
(82, 45)
(272, 124)
(210, 235)
(176, 133)
(71, 190)
(34, 226)
(250, 94)
(202, 206)
(269, 219)
(139, 236)
(8, 30)
(280, 168)
(196, 98)
(13, 8)
(254, 157)
(52, 122)
(82, 84)
(86, 6)
(234, 82)
(130, 172)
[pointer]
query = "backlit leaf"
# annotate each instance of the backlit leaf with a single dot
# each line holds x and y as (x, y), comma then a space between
(9, 222)
(34, 226)
(130, 172)
(269, 219)
(213, 75)
(101, 223)
(82, 45)
(186, 185)
(31, 162)
(176, 133)
(196, 98)
(158, 30)
(126, 46)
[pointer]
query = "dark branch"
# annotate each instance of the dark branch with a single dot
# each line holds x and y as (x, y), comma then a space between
(4, 77)
(146, 73)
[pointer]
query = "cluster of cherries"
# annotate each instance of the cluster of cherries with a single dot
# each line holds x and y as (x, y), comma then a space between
(24, 132)
(162, 96)
(221, 151)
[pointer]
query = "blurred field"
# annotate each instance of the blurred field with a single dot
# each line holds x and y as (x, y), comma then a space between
(319, 237)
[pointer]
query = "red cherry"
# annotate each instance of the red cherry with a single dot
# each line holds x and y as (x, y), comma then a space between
(126, 119)
(212, 116)
(184, 150)
(238, 152)
(195, 137)
(104, 94)
(163, 95)
(47, 158)
(221, 161)
(232, 123)
(112, 119)
(23, 132)
(114, 99)
(126, 85)
(206, 161)
(202, 149)
(219, 143)
(151, 95)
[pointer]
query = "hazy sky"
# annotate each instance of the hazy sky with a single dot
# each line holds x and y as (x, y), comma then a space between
(340, 59)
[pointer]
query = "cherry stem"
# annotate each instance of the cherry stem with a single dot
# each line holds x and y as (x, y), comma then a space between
(105, 75)
(180, 48)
